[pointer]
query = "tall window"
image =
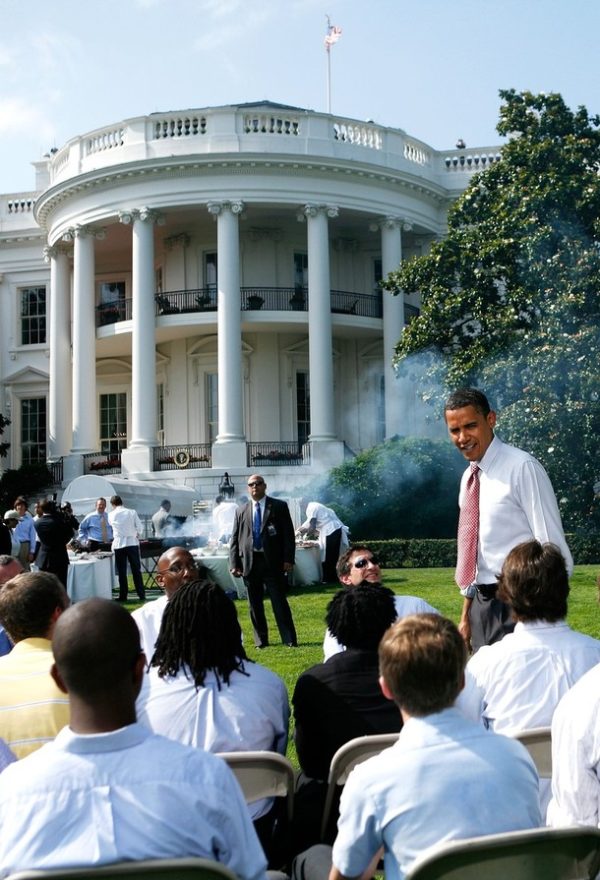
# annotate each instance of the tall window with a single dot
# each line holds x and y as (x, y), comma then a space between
(302, 406)
(212, 405)
(113, 422)
(33, 315)
(377, 274)
(380, 411)
(160, 414)
(33, 430)
(300, 271)
(210, 271)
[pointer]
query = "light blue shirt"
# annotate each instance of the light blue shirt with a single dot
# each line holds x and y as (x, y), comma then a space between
(25, 531)
(445, 779)
(124, 795)
(90, 528)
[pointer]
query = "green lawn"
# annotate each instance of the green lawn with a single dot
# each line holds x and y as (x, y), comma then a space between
(436, 585)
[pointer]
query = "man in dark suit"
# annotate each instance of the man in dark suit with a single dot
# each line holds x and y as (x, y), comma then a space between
(262, 551)
(54, 533)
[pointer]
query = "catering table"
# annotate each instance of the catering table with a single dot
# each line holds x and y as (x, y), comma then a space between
(307, 569)
(90, 575)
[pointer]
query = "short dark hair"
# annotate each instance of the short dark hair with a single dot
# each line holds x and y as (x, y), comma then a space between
(468, 397)
(27, 603)
(422, 658)
(20, 499)
(343, 565)
(96, 644)
(116, 500)
(200, 630)
(534, 582)
(48, 505)
(359, 617)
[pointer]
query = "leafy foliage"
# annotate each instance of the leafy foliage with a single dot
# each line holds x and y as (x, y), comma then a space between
(402, 488)
(4, 447)
(29, 480)
(511, 295)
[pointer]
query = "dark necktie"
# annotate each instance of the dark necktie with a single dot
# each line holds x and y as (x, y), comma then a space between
(256, 523)
(468, 532)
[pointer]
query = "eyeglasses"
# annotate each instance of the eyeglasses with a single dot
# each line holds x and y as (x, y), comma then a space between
(363, 561)
(178, 567)
(256, 483)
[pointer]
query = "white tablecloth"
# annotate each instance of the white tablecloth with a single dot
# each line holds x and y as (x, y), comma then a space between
(307, 569)
(93, 576)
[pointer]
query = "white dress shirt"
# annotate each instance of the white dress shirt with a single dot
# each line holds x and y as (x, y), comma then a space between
(516, 503)
(149, 618)
(251, 713)
(405, 605)
(120, 796)
(445, 779)
(327, 522)
(126, 527)
(576, 755)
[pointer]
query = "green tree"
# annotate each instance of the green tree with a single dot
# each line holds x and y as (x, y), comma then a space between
(4, 447)
(511, 295)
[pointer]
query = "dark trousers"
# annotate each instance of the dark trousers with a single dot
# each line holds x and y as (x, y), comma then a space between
(261, 578)
(122, 556)
(98, 545)
(332, 554)
(490, 618)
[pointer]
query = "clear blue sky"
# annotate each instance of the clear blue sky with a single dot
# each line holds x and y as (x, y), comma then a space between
(430, 67)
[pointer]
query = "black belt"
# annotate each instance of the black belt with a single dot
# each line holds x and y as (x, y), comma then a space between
(488, 591)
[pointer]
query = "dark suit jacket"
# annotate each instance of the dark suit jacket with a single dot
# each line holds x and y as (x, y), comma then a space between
(277, 533)
(54, 534)
(5, 540)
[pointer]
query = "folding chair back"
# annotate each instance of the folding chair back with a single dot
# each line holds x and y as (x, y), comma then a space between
(354, 752)
(538, 743)
(263, 775)
(152, 869)
(539, 854)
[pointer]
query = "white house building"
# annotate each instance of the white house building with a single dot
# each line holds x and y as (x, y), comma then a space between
(191, 292)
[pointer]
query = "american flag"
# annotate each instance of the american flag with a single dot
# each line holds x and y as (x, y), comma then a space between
(333, 35)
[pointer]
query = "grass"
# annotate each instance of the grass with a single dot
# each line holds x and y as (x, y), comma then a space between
(436, 585)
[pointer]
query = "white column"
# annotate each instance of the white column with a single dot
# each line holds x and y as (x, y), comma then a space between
(393, 324)
(229, 328)
(85, 418)
(60, 403)
(320, 346)
(143, 356)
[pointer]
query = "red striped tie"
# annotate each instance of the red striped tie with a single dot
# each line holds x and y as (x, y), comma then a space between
(468, 531)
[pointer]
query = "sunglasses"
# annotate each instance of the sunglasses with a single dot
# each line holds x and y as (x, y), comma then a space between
(363, 561)
(256, 483)
(177, 568)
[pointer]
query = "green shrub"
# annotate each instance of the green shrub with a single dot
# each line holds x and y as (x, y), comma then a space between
(29, 480)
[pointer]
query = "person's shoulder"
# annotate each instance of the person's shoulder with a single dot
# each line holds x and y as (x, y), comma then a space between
(406, 605)
(259, 673)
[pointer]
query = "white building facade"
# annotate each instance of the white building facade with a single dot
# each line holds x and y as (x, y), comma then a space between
(189, 293)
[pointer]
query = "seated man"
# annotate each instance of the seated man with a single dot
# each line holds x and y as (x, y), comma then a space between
(108, 790)
(576, 755)
(445, 779)
(340, 699)
(174, 568)
(95, 531)
(516, 684)
(359, 565)
(32, 708)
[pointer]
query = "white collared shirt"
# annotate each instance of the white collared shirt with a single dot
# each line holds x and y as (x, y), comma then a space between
(126, 527)
(149, 618)
(576, 755)
(516, 503)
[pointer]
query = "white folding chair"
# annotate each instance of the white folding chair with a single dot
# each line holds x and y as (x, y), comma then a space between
(354, 752)
(538, 743)
(263, 775)
(539, 854)
(153, 869)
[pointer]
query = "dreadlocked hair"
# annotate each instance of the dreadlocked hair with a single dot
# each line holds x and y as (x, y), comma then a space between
(359, 616)
(200, 632)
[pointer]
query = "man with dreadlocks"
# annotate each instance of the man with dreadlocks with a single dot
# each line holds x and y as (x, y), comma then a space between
(201, 688)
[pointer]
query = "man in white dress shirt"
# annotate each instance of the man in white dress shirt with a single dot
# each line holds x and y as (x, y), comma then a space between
(127, 528)
(576, 755)
(516, 503)
(357, 566)
(333, 536)
(516, 684)
(444, 779)
(107, 789)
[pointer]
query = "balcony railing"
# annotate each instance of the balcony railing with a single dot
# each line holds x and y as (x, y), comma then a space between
(102, 463)
(275, 299)
(56, 469)
(182, 457)
(272, 453)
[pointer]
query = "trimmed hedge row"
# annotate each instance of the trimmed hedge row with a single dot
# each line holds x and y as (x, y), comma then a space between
(441, 552)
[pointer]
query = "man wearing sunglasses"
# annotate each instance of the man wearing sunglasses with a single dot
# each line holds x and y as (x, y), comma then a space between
(358, 566)
(174, 568)
(262, 551)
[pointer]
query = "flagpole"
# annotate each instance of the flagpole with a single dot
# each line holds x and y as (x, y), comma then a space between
(328, 50)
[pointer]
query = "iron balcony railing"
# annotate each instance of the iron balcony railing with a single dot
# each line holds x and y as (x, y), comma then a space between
(269, 453)
(182, 456)
(102, 463)
(56, 469)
